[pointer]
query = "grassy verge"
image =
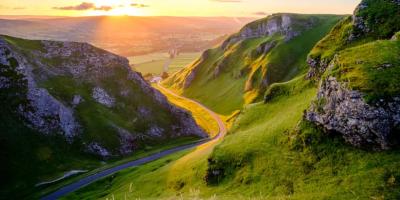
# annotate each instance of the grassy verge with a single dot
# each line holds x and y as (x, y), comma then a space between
(46, 189)
(201, 116)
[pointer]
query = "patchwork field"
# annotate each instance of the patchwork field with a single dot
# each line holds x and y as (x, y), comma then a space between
(154, 63)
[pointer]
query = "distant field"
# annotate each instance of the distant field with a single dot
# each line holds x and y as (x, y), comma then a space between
(154, 63)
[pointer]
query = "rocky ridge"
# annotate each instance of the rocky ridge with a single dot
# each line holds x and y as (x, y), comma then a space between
(283, 24)
(43, 112)
(87, 65)
(342, 110)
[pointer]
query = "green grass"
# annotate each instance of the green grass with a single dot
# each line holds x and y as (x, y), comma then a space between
(147, 58)
(243, 77)
(382, 18)
(98, 120)
(29, 157)
(24, 44)
(267, 155)
(333, 41)
(372, 68)
(271, 152)
(201, 116)
(154, 63)
(97, 166)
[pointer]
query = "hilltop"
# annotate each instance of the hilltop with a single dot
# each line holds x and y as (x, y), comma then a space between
(239, 71)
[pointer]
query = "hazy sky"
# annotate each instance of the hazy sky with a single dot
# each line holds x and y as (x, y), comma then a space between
(173, 7)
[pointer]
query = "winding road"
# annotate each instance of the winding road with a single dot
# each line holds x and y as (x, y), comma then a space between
(94, 177)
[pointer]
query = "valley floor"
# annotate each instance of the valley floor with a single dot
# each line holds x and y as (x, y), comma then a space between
(215, 127)
(267, 154)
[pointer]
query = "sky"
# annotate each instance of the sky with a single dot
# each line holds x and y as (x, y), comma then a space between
(173, 7)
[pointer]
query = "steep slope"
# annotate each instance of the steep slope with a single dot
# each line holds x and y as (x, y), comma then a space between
(358, 64)
(272, 152)
(238, 72)
(62, 101)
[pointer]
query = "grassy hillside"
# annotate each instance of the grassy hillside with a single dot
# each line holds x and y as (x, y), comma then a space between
(267, 155)
(271, 152)
(30, 156)
(372, 68)
(227, 79)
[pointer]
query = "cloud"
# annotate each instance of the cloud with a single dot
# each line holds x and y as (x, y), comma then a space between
(139, 5)
(260, 13)
(85, 6)
(105, 8)
(82, 6)
(227, 1)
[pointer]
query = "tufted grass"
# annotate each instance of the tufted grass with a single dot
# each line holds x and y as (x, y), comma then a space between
(372, 68)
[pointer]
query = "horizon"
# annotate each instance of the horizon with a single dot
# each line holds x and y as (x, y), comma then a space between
(173, 8)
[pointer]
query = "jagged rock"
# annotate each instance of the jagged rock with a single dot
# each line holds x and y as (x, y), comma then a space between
(280, 23)
(77, 100)
(396, 36)
(49, 115)
(155, 131)
(317, 67)
(97, 149)
(144, 112)
(102, 97)
(344, 111)
(5, 82)
(125, 93)
(263, 49)
(83, 64)
(42, 112)
(186, 124)
(127, 140)
(361, 25)
(190, 78)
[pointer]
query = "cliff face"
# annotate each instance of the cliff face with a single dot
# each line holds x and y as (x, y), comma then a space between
(286, 25)
(89, 95)
(357, 65)
(344, 111)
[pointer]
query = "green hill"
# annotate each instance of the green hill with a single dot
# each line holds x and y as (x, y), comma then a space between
(68, 106)
(329, 133)
(264, 52)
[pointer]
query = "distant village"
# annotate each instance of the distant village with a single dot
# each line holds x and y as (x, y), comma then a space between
(156, 78)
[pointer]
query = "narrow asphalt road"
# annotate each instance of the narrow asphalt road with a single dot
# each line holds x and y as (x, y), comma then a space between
(94, 177)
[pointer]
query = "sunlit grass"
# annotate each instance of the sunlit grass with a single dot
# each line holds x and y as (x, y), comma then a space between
(201, 116)
(260, 162)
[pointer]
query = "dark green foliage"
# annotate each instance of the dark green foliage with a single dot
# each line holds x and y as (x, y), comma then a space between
(382, 17)
(27, 156)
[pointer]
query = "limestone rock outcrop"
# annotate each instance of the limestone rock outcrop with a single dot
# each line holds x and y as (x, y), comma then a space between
(340, 110)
